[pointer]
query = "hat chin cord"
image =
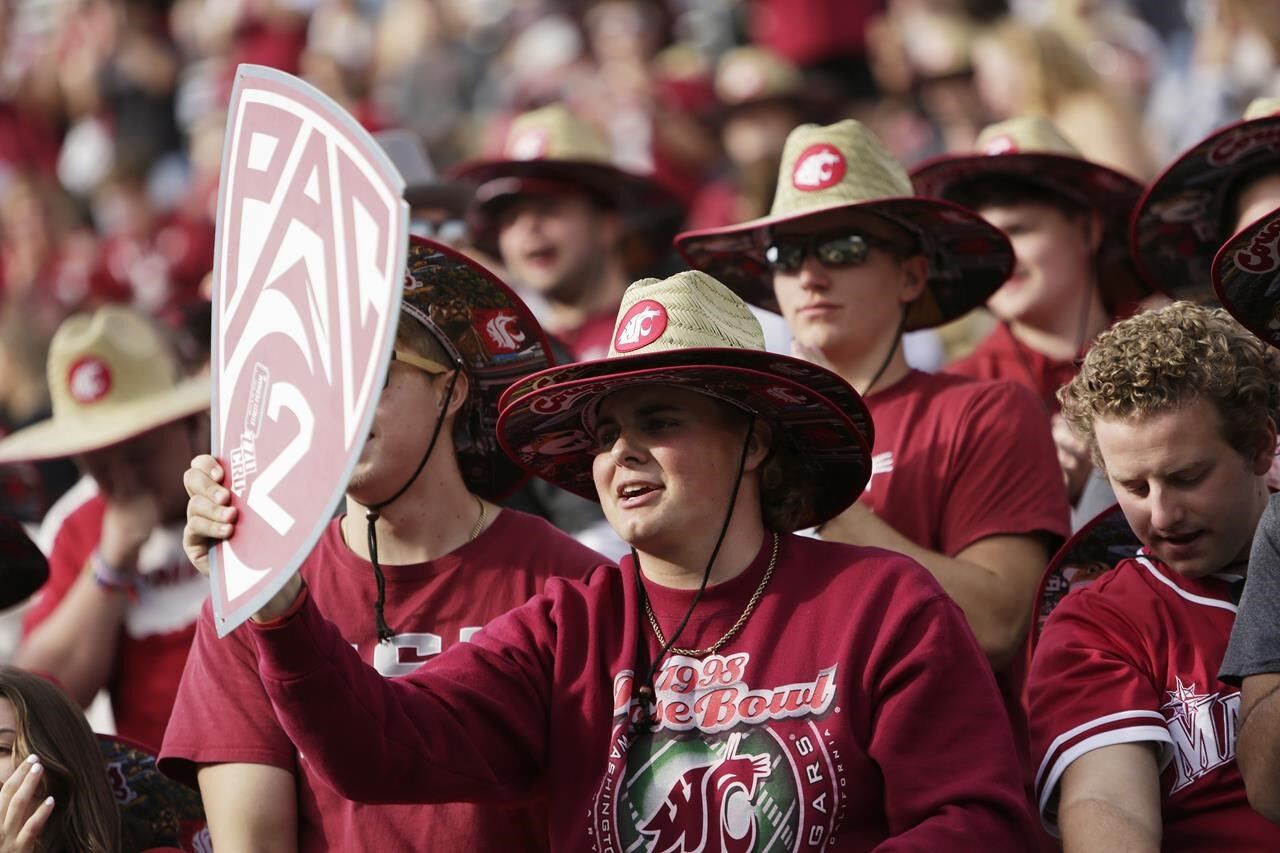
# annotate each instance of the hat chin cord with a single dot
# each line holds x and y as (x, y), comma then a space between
(371, 516)
(893, 348)
(646, 692)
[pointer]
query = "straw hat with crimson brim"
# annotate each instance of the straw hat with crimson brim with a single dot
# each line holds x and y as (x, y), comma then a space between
(690, 331)
(834, 169)
(550, 151)
(1246, 277)
(1032, 151)
(1090, 553)
(1181, 220)
(486, 327)
(112, 377)
(752, 76)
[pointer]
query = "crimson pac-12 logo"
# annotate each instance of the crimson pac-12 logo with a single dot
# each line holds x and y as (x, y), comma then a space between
(728, 766)
(312, 240)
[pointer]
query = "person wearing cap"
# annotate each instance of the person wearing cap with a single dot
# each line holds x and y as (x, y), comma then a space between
(422, 524)
(119, 608)
(1133, 734)
(1245, 277)
(1067, 219)
(437, 205)
(730, 684)
(556, 210)
(1207, 194)
(964, 477)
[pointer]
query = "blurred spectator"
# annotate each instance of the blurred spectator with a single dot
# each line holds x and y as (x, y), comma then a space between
(1023, 70)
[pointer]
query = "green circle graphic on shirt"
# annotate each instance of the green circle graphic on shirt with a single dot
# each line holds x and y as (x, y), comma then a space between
(737, 792)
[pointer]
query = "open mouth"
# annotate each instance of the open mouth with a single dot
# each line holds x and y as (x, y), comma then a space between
(541, 257)
(635, 494)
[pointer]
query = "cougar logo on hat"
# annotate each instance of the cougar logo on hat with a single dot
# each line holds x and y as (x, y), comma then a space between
(642, 325)
(818, 167)
(503, 331)
(88, 380)
(532, 144)
(1001, 145)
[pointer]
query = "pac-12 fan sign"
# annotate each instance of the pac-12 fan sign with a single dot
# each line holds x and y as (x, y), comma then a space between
(312, 237)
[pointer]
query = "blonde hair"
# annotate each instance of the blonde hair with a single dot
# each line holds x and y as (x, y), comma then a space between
(1166, 359)
(49, 726)
(1052, 68)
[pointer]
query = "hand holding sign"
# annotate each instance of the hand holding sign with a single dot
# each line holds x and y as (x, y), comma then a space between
(310, 256)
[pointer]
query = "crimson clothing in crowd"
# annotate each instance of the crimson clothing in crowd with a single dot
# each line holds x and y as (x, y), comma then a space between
(1002, 356)
(591, 340)
(223, 714)
(853, 707)
(957, 460)
(808, 31)
(158, 626)
(1133, 658)
(159, 272)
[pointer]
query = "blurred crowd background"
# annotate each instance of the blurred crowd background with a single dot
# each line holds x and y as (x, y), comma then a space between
(112, 113)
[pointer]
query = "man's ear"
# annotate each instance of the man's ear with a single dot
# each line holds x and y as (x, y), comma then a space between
(761, 442)
(461, 390)
(610, 225)
(1266, 453)
(915, 277)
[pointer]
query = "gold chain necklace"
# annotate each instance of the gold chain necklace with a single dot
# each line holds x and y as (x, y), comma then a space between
(737, 626)
(475, 531)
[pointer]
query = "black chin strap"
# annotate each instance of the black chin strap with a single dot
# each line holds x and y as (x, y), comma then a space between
(371, 516)
(646, 692)
(893, 348)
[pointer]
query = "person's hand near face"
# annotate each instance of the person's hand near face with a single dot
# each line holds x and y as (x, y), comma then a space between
(23, 813)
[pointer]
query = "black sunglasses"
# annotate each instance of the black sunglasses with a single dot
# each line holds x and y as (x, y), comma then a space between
(787, 254)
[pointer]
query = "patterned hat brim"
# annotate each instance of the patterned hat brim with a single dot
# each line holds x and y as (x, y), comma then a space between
(1087, 184)
(1091, 551)
(484, 322)
(453, 196)
(1175, 232)
(1246, 277)
(171, 811)
(542, 425)
(969, 258)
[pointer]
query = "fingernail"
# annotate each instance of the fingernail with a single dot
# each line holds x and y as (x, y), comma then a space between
(36, 769)
(32, 758)
(48, 801)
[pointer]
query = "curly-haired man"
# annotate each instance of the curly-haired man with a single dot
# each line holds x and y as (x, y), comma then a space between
(1135, 735)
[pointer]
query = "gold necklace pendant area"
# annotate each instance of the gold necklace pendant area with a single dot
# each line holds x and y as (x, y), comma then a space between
(736, 627)
(475, 530)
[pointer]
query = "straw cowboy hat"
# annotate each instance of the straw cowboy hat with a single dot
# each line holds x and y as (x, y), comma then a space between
(486, 328)
(842, 167)
(1246, 277)
(1178, 224)
(111, 377)
(549, 149)
(690, 331)
(1032, 150)
(752, 76)
(424, 187)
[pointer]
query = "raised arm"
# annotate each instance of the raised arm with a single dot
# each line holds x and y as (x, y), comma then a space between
(1110, 801)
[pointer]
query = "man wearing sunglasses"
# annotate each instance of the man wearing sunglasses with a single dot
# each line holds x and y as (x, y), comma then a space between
(965, 477)
(421, 560)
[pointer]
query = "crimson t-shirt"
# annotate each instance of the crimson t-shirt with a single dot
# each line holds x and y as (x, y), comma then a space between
(1133, 658)
(1002, 356)
(853, 711)
(223, 715)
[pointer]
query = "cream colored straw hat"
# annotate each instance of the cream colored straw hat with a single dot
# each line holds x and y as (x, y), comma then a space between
(1032, 150)
(691, 331)
(111, 377)
(841, 167)
(1180, 222)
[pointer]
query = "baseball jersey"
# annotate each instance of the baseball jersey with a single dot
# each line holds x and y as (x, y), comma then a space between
(223, 715)
(1133, 658)
(1255, 644)
(158, 626)
(817, 726)
(1002, 356)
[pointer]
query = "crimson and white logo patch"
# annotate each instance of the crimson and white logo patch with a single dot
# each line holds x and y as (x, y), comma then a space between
(530, 144)
(88, 380)
(502, 332)
(1000, 145)
(643, 324)
(818, 167)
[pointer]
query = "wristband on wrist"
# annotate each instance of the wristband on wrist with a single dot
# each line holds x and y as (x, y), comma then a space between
(110, 578)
